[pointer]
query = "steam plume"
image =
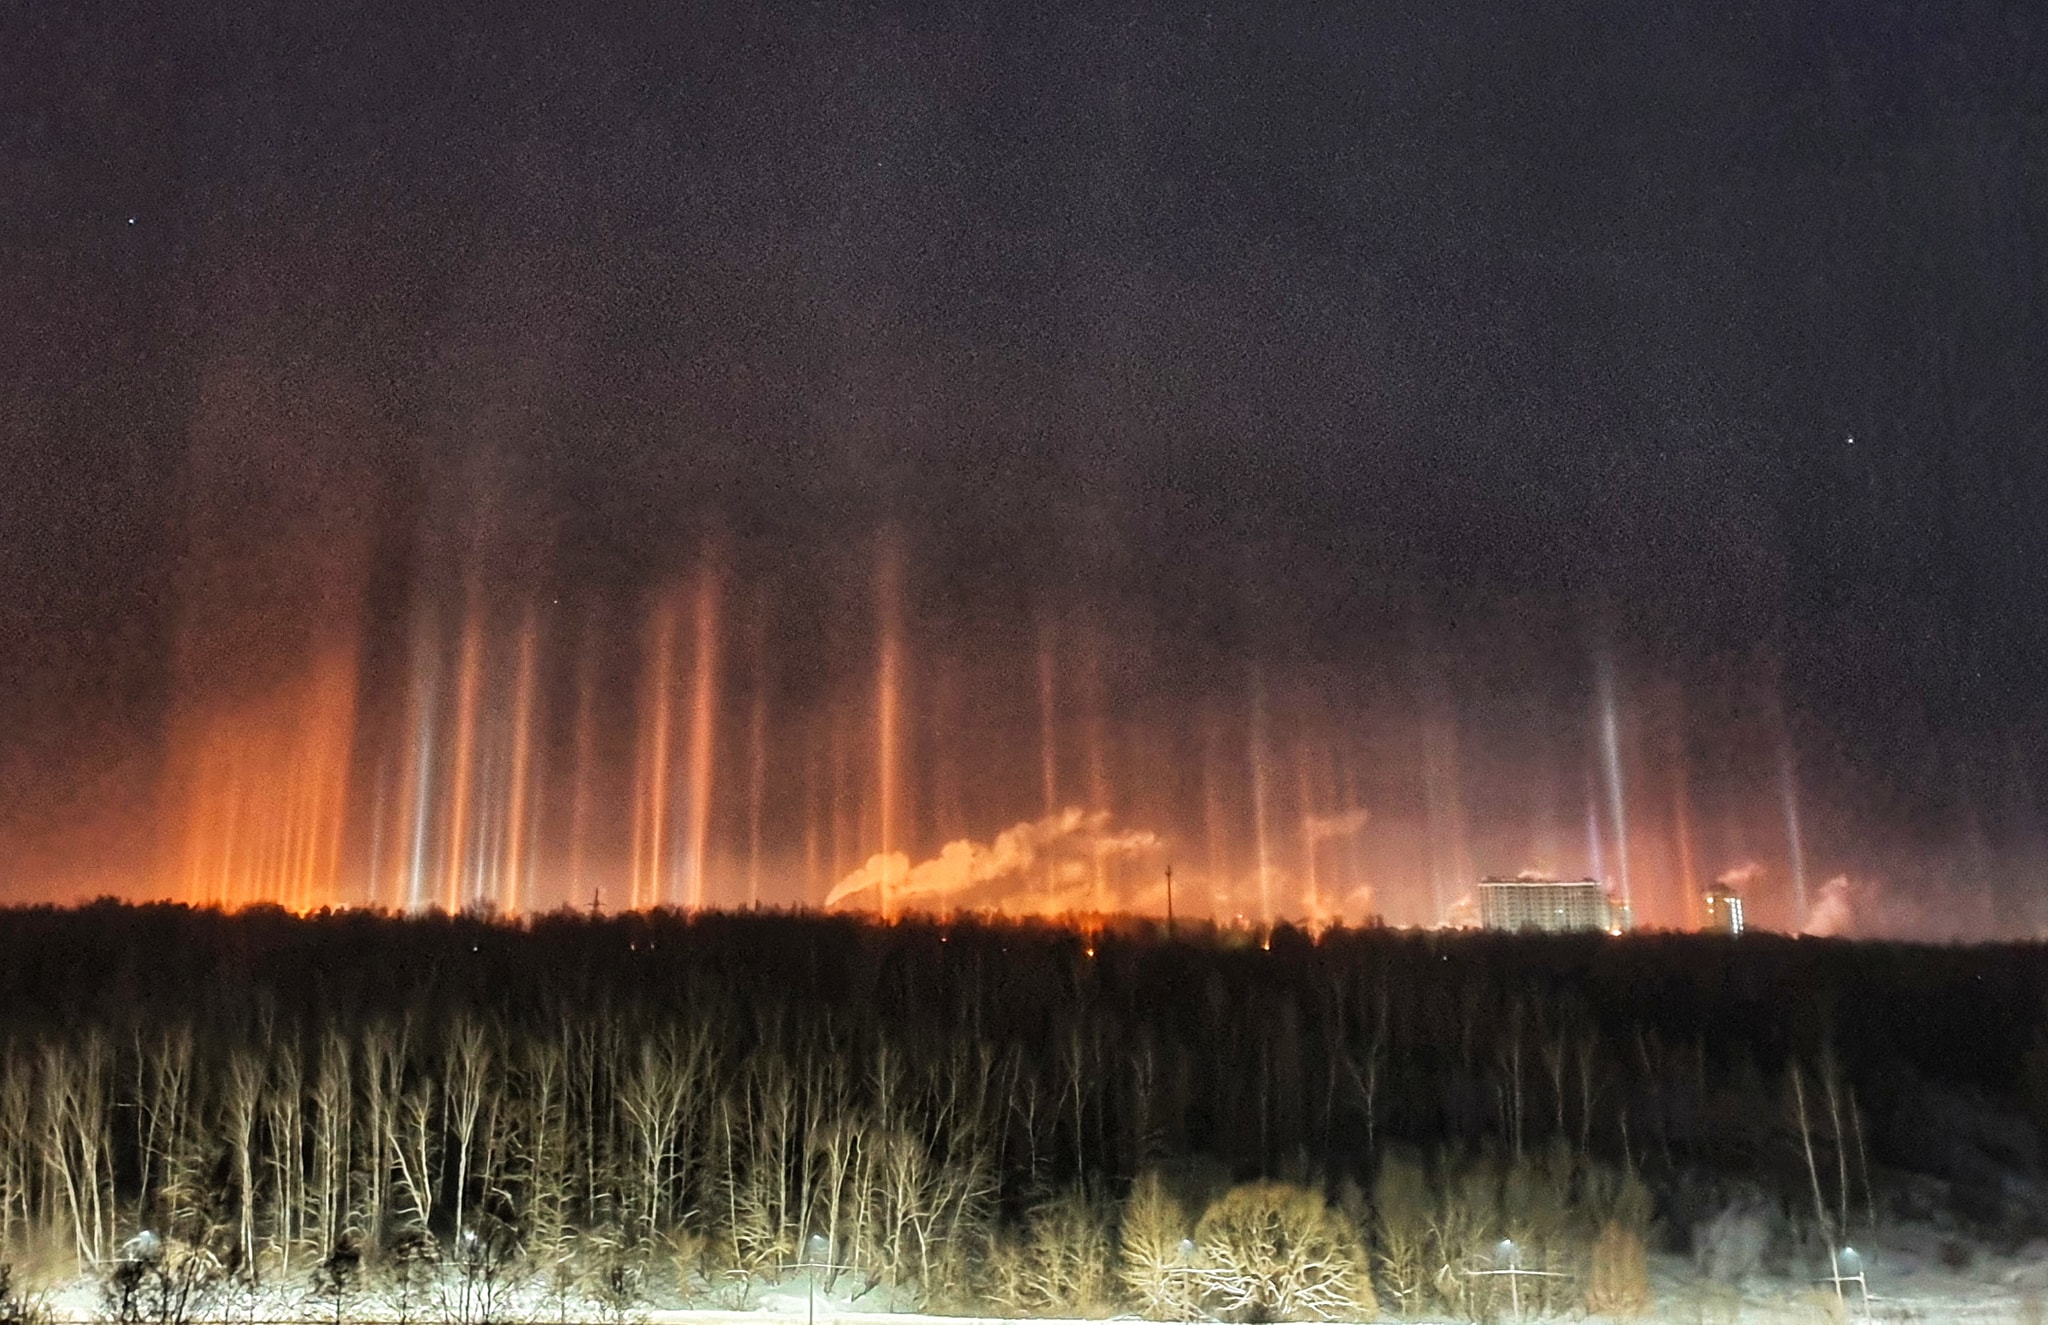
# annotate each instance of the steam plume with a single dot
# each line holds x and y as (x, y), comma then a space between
(1831, 916)
(1740, 877)
(1337, 823)
(1046, 866)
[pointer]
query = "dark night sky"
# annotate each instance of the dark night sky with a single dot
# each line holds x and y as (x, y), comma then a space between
(1292, 332)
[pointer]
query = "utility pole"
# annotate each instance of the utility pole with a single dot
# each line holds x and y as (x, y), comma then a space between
(1169, 900)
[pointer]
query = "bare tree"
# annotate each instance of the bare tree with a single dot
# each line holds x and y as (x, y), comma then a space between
(77, 1161)
(241, 1098)
(466, 1083)
(163, 1098)
(655, 1097)
(333, 1152)
(284, 1111)
(415, 1146)
(383, 1084)
(18, 1157)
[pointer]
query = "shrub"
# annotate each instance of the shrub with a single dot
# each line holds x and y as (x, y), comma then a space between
(1729, 1247)
(1271, 1251)
(1402, 1207)
(1154, 1256)
(614, 1274)
(1003, 1276)
(162, 1281)
(410, 1267)
(1536, 1212)
(951, 1286)
(691, 1256)
(1463, 1231)
(1619, 1281)
(17, 1305)
(1061, 1265)
(336, 1275)
(487, 1269)
(1619, 1284)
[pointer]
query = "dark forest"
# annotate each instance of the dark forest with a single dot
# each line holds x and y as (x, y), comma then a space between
(653, 1109)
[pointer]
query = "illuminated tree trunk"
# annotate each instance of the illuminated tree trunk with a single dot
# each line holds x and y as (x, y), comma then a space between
(468, 1070)
(383, 1082)
(240, 1098)
(285, 1114)
(333, 1115)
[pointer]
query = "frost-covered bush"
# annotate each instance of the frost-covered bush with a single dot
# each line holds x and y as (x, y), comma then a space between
(1272, 1251)
(1155, 1256)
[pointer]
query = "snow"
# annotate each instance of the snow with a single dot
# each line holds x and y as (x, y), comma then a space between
(1918, 1273)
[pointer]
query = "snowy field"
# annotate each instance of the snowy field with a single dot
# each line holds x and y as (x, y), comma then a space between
(1910, 1279)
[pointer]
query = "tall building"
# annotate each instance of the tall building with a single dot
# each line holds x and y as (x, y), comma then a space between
(1724, 910)
(1551, 906)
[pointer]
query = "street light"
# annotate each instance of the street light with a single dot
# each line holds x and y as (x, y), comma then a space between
(1508, 1258)
(1848, 1264)
(1187, 1289)
(817, 1255)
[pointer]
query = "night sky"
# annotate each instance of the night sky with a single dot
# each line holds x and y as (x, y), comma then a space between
(1376, 364)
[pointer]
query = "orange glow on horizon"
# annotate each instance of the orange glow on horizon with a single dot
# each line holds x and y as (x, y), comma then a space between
(505, 764)
(703, 727)
(650, 784)
(522, 758)
(469, 679)
(1681, 820)
(888, 682)
(586, 759)
(264, 789)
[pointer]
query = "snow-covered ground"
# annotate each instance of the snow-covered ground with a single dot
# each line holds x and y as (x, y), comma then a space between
(1914, 1273)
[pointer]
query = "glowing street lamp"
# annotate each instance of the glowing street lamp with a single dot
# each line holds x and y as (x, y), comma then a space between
(817, 1256)
(1848, 1264)
(1508, 1257)
(1507, 1260)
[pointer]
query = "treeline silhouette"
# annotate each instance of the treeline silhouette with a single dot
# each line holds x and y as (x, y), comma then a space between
(611, 1109)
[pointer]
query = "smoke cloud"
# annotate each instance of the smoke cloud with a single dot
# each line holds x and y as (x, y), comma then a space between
(1831, 916)
(1061, 863)
(1341, 823)
(1741, 877)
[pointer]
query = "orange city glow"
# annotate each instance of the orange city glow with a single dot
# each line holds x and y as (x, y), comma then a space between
(908, 783)
(264, 790)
